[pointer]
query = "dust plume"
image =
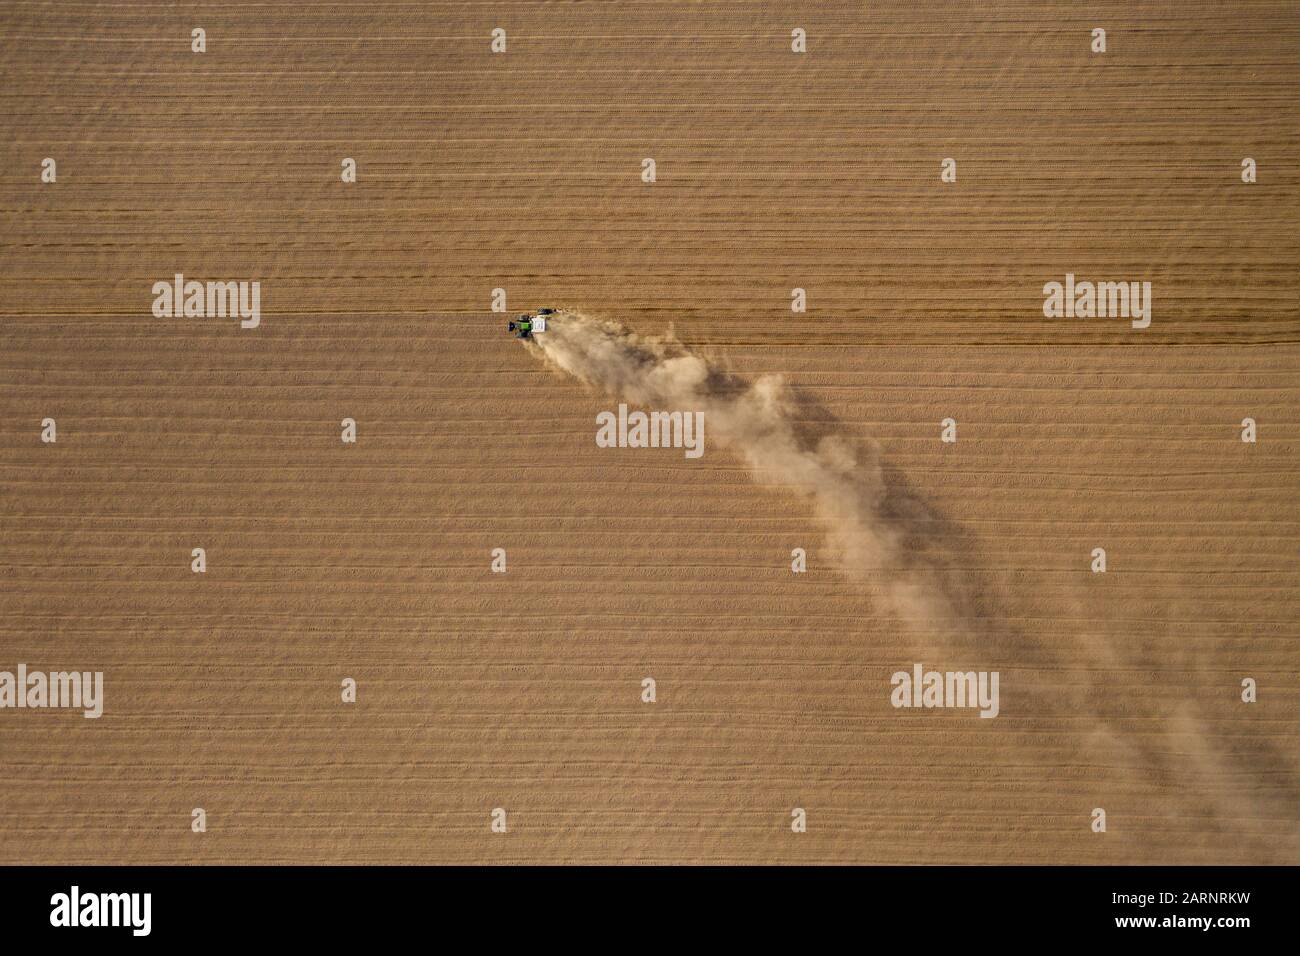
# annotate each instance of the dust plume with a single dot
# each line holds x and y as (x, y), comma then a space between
(758, 422)
(885, 538)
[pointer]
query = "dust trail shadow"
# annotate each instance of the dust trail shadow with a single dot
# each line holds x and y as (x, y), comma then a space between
(938, 548)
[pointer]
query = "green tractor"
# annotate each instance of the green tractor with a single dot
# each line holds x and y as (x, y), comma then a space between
(526, 325)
